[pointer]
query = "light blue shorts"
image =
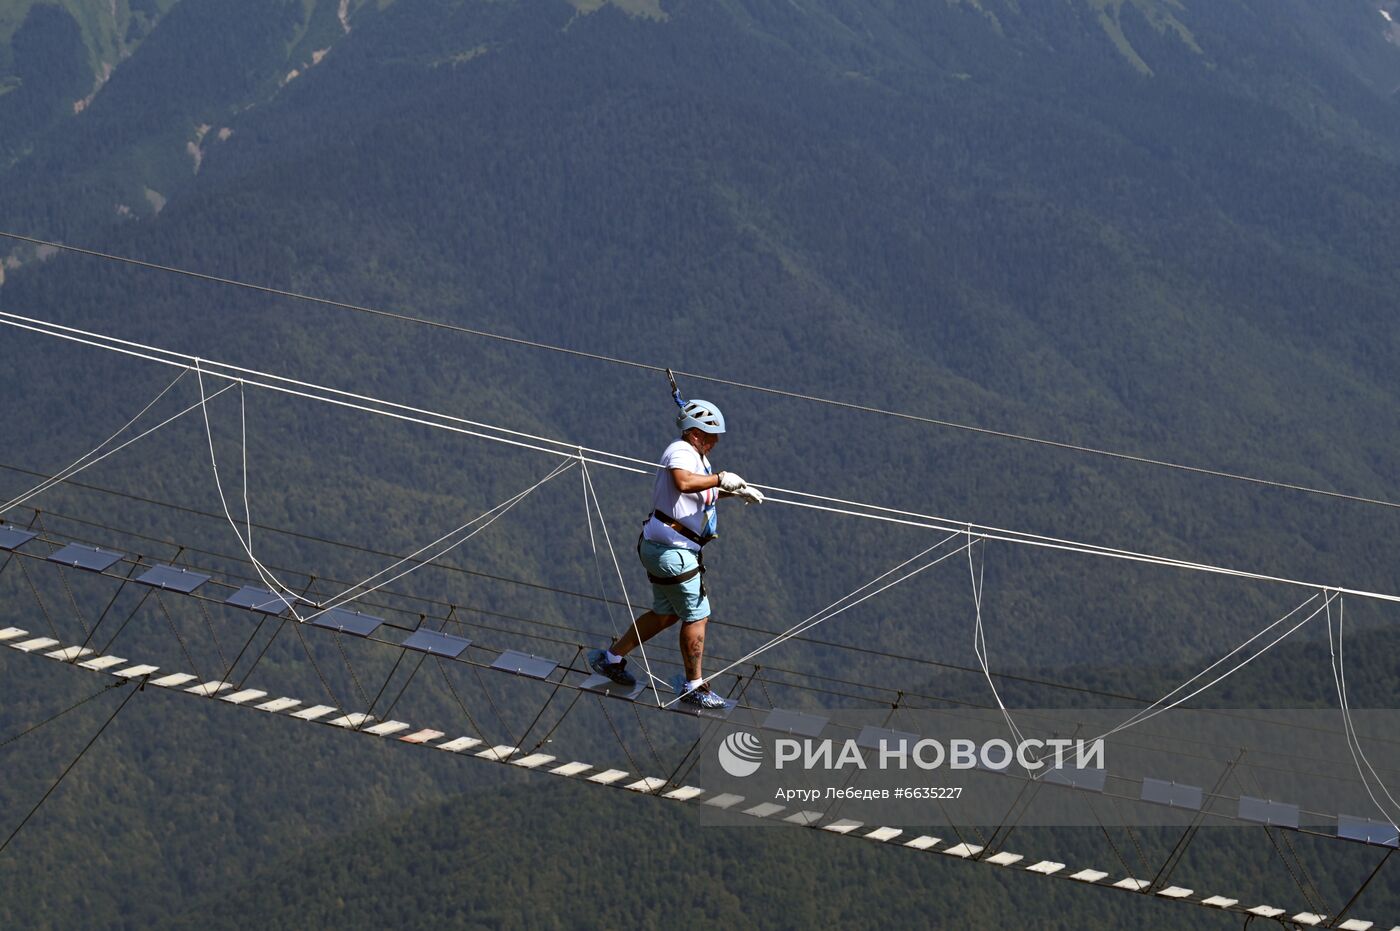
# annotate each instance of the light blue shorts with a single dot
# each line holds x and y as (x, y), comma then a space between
(683, 600)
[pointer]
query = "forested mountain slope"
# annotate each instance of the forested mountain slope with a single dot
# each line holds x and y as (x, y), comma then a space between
(1162, 227)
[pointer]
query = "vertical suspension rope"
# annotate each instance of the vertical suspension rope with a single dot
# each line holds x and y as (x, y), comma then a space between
(588, 486)
(979, 638)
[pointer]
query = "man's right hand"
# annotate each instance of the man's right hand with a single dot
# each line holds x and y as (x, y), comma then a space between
(730, 482)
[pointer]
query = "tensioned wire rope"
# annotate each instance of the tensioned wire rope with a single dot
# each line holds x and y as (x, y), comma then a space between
(979, 636)
(583, 459)
(812, 621)
(976, 595)
(265, 575)
(713, 379)
(842, 604)
(269, 579)
(817, 689)
(624, 745)
(800, 686)
(450, 423)
(576, 630)
(90, 458)
(563, 628)
(362, 587)
(1170, 700)
(1157, 707)
(595, 506)
(1305, 830)
(85, 460)
(804, 686)
(360, 548)
(1358, 755)
(273, 583)
(448, 567)
(815, 619)
(249, 520)
(451, 607)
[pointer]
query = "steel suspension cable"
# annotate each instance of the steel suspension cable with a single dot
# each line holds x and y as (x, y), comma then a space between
(712, 379)
(802, 674)
(394, 411)
(81, 462)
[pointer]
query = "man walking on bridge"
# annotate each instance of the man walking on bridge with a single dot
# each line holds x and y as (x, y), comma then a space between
(682, 521)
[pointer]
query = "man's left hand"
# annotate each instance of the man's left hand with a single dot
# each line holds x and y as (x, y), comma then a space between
(748, 494)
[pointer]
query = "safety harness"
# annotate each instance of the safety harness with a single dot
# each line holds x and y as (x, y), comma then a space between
(698, 539)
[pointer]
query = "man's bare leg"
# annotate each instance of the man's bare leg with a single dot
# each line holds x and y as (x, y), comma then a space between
(642, 630)
(693, 647)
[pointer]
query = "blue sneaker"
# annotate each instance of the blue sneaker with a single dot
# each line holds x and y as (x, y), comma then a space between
(617, 672)
(700, 697)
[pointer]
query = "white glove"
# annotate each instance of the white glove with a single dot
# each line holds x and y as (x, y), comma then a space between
(730, 482)
(749, 494)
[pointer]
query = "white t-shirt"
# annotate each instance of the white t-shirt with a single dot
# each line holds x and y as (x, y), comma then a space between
(694, 510)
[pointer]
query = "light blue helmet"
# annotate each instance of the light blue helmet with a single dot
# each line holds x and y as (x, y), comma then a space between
(702, 415)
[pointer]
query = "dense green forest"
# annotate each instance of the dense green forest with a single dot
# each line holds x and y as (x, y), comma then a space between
(1156, 227)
